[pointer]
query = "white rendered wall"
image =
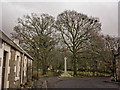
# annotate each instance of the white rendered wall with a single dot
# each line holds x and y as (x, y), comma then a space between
(17, 54)
(25, 65)
(1, 61)
(6, 48)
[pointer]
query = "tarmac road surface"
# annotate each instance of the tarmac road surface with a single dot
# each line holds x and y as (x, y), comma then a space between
(86, 83)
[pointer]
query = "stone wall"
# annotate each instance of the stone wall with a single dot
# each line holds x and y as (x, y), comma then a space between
(25, 69)
(29, 70)
(1, 63)
(12, 73)
(118, 67)
(12, 64)
(24, 72)
(7, 49)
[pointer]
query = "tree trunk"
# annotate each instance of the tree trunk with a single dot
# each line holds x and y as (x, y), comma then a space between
(93, 73)
(44, 69)
(75, 64)
(37, 69)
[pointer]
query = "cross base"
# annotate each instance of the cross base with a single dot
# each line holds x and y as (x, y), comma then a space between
(65, 74)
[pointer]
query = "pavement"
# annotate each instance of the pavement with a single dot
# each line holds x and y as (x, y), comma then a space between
(41, 83)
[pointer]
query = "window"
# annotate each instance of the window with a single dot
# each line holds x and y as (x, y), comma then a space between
(17, 66)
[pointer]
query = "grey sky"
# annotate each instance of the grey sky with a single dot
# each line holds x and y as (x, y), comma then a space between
(107, 12)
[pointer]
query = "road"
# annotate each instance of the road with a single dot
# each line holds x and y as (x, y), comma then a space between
(81, 83)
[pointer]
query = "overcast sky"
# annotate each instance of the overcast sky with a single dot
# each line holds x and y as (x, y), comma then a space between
(107, 12)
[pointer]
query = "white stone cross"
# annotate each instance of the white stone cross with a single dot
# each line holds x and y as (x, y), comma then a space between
(65, 74)
(65, 69)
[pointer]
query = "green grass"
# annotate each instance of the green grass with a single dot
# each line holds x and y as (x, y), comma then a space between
(90, 74)
(80, 73)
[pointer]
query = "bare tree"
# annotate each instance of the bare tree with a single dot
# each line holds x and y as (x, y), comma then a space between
(36, 35)
(112, 44)
(76, 29)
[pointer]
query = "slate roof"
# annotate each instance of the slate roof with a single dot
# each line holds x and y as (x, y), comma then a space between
(6, 39)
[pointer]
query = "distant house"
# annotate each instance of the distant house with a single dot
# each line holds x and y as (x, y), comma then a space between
(15, 63)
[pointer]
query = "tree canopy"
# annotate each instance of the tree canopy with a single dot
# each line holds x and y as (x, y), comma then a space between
(76, 30)
(75, 35)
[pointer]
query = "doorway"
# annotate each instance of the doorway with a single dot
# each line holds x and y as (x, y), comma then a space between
(4, 69)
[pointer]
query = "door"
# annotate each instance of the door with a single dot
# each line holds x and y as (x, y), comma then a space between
(4, 69)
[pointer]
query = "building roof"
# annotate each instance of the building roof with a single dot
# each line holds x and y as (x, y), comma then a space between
(6, 39)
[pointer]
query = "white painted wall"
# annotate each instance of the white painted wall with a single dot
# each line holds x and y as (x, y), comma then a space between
(6, 48)
(25, 66)
(17, 54)
(1, 62)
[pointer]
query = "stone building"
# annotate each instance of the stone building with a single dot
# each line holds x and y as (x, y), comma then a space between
(118, 65)
(15, 63)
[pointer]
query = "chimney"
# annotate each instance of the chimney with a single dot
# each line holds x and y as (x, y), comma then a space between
(16, 40)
